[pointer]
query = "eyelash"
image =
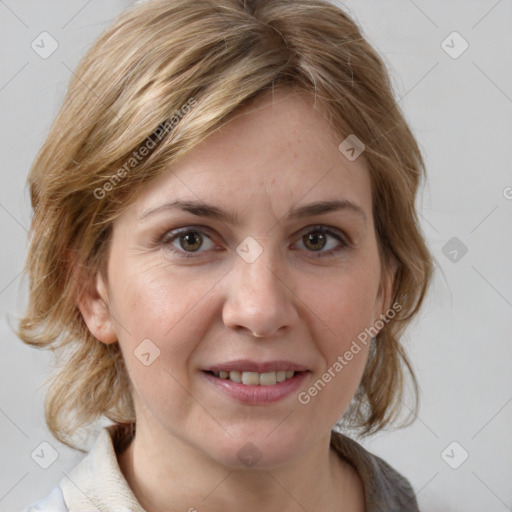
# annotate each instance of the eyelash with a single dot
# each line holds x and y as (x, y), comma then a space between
(171, 236)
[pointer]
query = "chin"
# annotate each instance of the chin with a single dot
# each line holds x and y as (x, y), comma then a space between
(258, 450)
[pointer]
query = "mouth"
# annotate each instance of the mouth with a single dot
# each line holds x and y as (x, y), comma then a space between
(256, 383)
(254, 378)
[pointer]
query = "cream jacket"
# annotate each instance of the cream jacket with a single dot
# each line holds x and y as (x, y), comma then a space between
(97, 484)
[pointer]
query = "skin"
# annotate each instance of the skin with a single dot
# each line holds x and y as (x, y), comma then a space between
(289, 304)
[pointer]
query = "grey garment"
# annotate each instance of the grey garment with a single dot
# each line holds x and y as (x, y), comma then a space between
(385, 489)
(99, 475)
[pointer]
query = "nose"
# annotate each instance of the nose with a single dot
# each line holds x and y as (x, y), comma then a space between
(260, 298)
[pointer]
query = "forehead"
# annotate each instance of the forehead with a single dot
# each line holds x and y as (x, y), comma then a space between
(275, 153)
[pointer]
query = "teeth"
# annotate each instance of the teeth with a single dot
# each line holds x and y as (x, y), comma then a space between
(268, 379)
(255, 378)
(280, 376)
(251, 378)
(235, 376)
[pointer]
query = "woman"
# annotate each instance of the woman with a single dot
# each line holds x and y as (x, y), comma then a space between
(225, 252)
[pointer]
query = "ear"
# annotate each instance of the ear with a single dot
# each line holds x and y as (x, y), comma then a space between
(94, 306)
(385, 292)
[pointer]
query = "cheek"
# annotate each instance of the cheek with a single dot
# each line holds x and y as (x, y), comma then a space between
(346, 302)
(156, 312)
(154, 301)
(344, 310)
(154, 298)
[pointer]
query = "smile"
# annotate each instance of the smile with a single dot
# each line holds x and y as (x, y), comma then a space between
(255, 378)
(254, 383)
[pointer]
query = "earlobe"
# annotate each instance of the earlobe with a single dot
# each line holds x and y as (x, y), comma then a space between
(93, 304)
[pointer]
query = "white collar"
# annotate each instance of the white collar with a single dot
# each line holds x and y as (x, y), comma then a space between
(97, 483)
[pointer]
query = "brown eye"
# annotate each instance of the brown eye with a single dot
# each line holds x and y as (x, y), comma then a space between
(188, 242)
(191, 241)
(315, 240)
(324, 241)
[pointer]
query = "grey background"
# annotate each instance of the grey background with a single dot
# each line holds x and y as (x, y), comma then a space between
(461, 111)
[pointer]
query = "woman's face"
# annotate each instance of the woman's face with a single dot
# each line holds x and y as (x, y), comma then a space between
(223, 270)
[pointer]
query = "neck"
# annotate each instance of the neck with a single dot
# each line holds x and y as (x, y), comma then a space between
(160, 473)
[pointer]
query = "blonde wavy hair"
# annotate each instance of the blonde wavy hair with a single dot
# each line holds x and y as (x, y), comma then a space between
(156, 58)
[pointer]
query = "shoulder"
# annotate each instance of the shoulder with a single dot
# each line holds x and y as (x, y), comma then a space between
(385, 488)
(54, 502)
(66, 495)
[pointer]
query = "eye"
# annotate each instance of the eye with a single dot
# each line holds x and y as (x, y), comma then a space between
(319, 238)
(188, 241)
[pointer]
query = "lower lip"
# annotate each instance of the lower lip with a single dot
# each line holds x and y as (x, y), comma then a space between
(257, 394)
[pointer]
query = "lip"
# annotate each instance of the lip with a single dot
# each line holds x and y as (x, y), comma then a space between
(257, 395)
(245, 365)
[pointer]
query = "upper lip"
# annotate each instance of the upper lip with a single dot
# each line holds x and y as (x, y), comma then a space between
(245, 365)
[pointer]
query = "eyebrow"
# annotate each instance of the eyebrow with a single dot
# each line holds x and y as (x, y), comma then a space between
(202, 209)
